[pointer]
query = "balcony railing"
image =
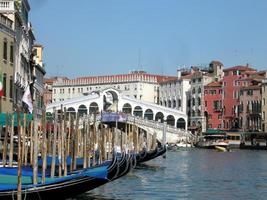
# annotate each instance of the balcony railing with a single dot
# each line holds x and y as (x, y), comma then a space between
(217, 109)
(7, 6)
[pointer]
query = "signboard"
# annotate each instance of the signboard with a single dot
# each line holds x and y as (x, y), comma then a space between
(113, 117)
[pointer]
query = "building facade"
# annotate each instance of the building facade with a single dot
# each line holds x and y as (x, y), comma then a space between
(24, 45)
(48, 88)
(213, 105)
(138, 85)
(250, 108)
(195, 103)
(231, 91)
(38, 77)
(172, 93)
(264, 104)
(7, 63)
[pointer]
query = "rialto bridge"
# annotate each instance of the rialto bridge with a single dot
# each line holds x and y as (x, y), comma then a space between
(111, 100)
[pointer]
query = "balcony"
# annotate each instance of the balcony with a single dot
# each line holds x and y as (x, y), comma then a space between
(217, 109)
(7, 7)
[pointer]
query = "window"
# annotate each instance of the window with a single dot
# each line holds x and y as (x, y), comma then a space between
(69, 90)
(11, 53)
(199, 90)
(5, 50)
(235, 94)
(55, 91)
(11, 87)
(179, 102)
(4, 85)
(250, 92)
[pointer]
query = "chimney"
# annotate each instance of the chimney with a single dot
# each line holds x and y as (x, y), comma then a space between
(178, 73)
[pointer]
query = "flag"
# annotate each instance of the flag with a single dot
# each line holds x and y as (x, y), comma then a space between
(27, 98)
(1, 85)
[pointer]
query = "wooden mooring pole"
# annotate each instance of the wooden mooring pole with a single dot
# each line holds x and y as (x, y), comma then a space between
(19, 157)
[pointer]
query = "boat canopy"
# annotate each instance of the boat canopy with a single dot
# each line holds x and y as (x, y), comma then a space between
(214, 132)
(6, 118)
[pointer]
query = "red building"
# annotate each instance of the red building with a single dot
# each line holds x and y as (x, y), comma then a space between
(231, 92)
(213, 105)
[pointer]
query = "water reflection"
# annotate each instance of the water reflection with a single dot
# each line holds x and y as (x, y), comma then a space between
(194, 174)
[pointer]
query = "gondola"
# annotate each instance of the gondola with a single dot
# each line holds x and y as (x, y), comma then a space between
(158, 151)
(65, 187)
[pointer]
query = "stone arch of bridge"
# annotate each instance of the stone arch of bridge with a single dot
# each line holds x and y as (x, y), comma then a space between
(149, 114)
(138, 111)
(181, 123)
(93, 108)
(82, 110)
(127, 108)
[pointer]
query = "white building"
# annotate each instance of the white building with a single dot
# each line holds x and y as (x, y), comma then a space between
(173, 92)
(137, 85)
(24, 43)
(196, 105)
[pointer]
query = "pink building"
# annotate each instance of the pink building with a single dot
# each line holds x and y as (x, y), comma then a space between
(231, 90)
(250, 109)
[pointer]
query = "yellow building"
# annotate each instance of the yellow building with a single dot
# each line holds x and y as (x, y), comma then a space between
(38, 74)
(7, 50)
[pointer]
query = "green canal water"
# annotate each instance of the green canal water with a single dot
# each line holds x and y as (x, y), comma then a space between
(192, 174)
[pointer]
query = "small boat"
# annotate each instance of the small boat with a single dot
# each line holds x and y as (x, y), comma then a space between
(158, 151)
(220, 149)
(254, 140)
(210, 140)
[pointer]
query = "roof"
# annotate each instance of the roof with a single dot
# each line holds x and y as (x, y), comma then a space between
(251, 87)
(188, 76)
(214, 131)
(214, 84)
(239, 67)
(136, 76)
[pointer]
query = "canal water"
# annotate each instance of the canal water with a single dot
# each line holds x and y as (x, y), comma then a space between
(192, 174)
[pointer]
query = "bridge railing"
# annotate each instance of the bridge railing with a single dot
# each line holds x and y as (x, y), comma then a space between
(148, 123)
(159, 126)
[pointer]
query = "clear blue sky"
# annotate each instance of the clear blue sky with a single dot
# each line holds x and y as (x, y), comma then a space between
(99, 37)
